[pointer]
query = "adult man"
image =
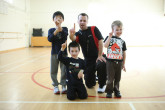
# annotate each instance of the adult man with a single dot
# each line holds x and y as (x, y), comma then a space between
(91, 43)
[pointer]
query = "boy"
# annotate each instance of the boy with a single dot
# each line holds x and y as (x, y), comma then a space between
(75, 68)
(116, 55)
(57, 36)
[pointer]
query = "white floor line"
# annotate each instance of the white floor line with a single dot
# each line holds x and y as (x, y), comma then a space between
(132, 106)
(127, 102)
(26, 63)
(21, 60)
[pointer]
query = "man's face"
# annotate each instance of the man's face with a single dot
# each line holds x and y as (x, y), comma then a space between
(83, 21)
(117, 31)
(74, 51)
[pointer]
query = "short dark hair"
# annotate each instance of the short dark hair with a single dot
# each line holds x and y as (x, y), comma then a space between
(73, 44)
(58, 13)
(83, 14)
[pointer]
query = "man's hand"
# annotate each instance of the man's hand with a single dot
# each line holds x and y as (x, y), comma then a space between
(72, 33)
(101, 58)
(63, 46)
(80, 74)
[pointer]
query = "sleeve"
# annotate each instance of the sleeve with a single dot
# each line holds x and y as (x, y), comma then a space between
(77, 37)
(105, 38)
(64, 34)
(98, 34)
(124, 46)
(64, 60)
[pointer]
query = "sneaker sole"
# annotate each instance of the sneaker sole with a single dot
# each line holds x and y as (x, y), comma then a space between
(57, 92)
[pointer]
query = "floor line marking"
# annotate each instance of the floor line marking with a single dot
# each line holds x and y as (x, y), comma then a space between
(127, 102)
(132, 106)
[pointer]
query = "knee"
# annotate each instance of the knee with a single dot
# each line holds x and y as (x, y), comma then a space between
(71, 97)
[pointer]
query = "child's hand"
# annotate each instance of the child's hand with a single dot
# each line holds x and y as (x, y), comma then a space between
(63, 46)
(123, 67)
(58, 24)
(110, 34)
(72, 31)
(80, 74)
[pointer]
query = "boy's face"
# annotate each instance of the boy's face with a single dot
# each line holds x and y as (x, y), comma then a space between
(117, 30)
(83, 21)
(58, 19)
(74, 51)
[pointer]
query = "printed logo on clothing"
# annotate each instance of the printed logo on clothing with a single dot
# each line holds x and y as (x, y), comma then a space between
(74, 67)
(114, 50)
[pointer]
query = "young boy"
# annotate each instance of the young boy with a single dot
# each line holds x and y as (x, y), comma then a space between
(75, 68)
(57, 36)
(116, 55)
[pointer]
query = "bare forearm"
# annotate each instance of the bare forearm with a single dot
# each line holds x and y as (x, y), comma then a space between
(107, 42)
(124, 57)
(100, 51)
(72, 37)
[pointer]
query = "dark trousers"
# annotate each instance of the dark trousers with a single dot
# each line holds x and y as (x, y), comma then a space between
(90, 76)
(74, 91)
(89, 73)
(101, 73)
(113, 76)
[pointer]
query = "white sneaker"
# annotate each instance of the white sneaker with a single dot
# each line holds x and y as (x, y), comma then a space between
(56, 90)
(64, 90)
(101, 90)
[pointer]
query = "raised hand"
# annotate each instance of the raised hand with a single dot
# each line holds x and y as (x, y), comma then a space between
(63, 46)
(80, 74)
(72, 32)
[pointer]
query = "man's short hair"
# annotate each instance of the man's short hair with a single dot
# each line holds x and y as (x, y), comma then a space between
(83, 14)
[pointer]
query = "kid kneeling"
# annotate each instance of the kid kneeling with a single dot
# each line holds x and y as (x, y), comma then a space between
(75, 67)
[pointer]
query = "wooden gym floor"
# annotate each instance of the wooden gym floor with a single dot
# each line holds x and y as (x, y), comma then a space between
(25, 82)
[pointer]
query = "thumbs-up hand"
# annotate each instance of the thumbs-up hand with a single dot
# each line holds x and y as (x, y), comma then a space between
(63, 46)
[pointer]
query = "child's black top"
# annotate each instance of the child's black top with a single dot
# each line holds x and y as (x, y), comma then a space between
(86, 39)
(58, 39)
(73, 66)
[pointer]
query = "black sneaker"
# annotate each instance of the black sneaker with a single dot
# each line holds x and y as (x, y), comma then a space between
(117, 95)
(109, 95)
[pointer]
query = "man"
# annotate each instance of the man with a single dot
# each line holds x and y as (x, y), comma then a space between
(91, 43)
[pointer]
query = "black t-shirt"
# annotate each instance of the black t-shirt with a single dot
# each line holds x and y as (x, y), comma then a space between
(86, 39)
(73, 66)
(57, 40)
(115, 48)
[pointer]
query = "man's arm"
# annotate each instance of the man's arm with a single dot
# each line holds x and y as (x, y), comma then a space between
(72, 34)
(100, 52)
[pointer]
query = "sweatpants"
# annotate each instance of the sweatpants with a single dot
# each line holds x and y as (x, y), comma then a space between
(113, 76)
(74, 91)
(54, 71)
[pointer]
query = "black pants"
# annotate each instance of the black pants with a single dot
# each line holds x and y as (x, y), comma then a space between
(90, 76)
(113, 76)
(101, 73)
(74, 91)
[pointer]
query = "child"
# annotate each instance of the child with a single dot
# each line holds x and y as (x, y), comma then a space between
(75, 68)
(57, 36)
(116, 55)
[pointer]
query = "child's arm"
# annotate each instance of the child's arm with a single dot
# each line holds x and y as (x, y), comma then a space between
(107, 42)
(72, 34)
(63, 59)
(58, 29)
(124, 58)
(80, 74)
